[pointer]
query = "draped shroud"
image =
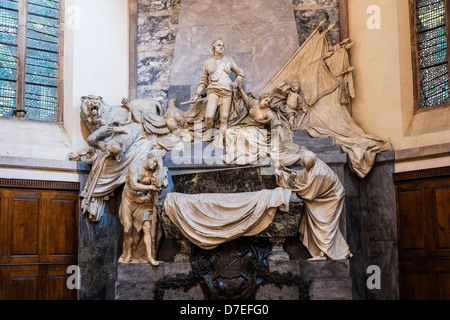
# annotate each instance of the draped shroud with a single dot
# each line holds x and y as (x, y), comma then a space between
(210, 219)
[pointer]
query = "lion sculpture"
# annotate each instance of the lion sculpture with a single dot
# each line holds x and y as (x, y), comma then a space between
(113, 129)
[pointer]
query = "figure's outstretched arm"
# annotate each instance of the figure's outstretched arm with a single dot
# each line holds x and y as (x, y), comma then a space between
(201, 86)
(244, 96)
(281, 167)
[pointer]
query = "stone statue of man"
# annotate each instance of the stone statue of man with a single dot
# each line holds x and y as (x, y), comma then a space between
(216, 79)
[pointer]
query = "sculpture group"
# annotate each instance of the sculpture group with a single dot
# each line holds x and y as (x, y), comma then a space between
(129, 142)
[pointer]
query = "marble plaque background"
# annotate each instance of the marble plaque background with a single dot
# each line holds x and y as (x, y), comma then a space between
(259, 35)
(174, 38)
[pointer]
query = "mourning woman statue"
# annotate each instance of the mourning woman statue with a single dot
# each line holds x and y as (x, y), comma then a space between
(323, 195)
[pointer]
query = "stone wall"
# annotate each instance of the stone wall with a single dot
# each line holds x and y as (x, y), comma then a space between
(308, 14)
(157, 27)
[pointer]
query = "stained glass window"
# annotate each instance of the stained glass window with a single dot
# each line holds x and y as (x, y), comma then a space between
(8, 56)
(42, 60)
(432, 49)
(40, 74)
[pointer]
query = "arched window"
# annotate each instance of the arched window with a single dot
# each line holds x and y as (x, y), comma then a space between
(30, 54)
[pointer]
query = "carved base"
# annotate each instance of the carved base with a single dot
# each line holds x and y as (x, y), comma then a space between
(328, 280)
(278, 253)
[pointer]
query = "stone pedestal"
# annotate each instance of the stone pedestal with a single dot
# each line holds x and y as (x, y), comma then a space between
(329, 280)
(137, 281)
(278, 253)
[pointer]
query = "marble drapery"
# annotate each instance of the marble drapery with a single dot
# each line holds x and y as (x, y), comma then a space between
(325, 77)
(107, 174)
(209, 219)
(323, 194)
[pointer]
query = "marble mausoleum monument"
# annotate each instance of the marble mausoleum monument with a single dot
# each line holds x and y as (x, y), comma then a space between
(258, 209)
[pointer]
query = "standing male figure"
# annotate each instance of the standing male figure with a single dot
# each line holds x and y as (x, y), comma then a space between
(216, 79)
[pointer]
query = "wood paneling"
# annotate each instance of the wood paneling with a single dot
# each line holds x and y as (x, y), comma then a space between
(56, 284)
(25, 226)
(62, 228)
(414, 286)
(442, 197)
(412, 229)
(25, 286)
(423, 226)
(443, 280)
(38, 241)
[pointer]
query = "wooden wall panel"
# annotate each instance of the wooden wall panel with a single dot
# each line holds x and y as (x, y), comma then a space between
(411, 231)
(443, 280)
(414, 286)
(24, 230)
(24, 283)
(38, 241)
(62, 228)
(442, 196)
(56, 284)
(423, 224)
(4, 240)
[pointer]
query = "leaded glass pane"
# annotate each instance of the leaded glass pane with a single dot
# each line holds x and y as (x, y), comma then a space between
(8, 23)
(40, 9)
(8, 57)
(42, 33)
(41, 97)
(41, 114)
(433, 47)
(436, 89)
(52, 4)
(9, 4)
(7, 98)
(50, 57)
(41, 70)
(8, 64)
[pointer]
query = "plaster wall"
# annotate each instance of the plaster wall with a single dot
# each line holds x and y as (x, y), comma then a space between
(384, 104)
(95, 62)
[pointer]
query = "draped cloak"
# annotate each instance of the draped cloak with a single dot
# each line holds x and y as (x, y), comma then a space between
(323, 196)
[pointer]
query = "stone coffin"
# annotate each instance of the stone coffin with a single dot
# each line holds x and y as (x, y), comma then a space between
(284, 225)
